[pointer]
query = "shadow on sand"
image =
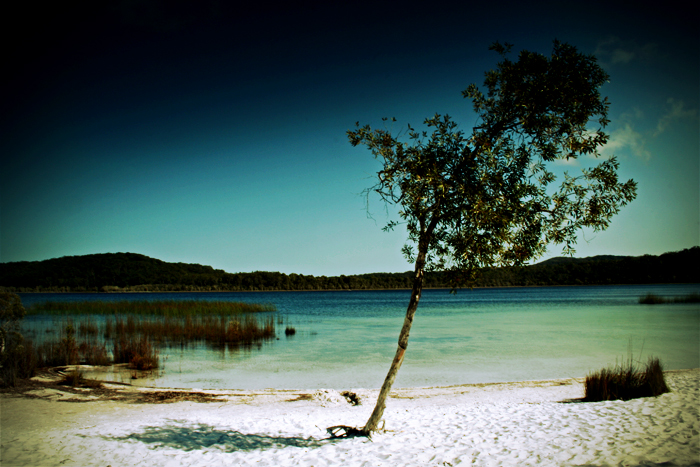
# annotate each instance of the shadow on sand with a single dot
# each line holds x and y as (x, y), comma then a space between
(201, 436)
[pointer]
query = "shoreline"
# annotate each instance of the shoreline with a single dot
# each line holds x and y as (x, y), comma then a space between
(515, 423)
(355, 290)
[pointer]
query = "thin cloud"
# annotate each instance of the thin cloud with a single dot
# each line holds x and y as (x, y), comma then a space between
(622, 56)
(615, 51)
(626, 137)
(677, 112)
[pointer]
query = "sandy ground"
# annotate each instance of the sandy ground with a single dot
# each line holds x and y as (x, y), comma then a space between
(508, 424)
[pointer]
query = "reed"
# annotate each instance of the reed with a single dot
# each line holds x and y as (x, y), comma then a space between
(213, 330)
(149, 307)
(135, 330)
(94, 354)
(87, 328)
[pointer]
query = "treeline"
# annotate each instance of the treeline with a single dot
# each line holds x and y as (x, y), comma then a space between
(130, 272)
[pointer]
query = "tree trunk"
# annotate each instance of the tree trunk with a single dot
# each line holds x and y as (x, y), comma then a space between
(378, 411)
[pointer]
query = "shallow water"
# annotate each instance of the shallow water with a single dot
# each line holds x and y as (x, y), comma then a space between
(347, 339)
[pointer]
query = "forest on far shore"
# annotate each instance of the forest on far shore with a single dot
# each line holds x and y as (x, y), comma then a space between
(131, 272)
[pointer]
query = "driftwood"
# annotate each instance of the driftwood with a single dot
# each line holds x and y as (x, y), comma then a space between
(351, 397)
(343, 431)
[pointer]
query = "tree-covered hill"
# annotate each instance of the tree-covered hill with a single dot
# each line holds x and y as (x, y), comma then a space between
(135, 272)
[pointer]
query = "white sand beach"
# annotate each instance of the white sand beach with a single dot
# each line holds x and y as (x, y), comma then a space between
(505, 424)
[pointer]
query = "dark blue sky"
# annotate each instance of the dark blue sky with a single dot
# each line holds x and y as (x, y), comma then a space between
(212, 133)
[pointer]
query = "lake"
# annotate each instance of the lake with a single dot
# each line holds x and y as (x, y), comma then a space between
(347, 339)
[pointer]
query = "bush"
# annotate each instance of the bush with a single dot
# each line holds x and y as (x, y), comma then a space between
(626, 382)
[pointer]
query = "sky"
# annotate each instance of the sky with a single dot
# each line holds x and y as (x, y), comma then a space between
(214, 132)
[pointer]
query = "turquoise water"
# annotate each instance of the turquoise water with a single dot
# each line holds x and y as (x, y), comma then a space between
(347, 339)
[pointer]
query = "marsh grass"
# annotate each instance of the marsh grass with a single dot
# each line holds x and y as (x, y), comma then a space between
(87, 328)
(626, 381)
(139, 353)
(175, 308)
(134, 332)
(94, 354)
(212, 330)
(653, 299)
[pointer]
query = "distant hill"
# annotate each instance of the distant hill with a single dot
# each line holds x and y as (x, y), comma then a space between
(569, 259)
(112, 272)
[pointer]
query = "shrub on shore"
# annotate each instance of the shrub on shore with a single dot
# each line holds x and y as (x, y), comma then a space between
(626, 382)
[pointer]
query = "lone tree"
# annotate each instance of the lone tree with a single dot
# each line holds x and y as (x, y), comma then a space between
(489, 198)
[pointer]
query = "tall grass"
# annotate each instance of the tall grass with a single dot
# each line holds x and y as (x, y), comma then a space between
(213, 330)
(626, 381)
(134, 331)
(180, 308)
(136, 339)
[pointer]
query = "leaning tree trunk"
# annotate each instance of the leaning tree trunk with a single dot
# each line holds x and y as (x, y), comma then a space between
(378, 411)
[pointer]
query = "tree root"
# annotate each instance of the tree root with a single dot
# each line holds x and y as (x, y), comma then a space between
(343, 431)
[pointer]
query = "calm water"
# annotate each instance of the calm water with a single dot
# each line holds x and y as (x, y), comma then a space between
(347, 339)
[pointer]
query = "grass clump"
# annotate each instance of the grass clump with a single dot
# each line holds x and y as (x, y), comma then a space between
(653, 299)
(625, 382)
(139, 353)
(75, 379)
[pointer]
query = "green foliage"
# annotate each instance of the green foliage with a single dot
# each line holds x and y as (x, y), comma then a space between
(626, 382)
(487, 199)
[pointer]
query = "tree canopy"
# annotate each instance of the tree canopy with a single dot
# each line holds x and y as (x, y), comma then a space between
(489, 198)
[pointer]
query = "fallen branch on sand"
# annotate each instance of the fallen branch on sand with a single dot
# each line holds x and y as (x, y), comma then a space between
(343, 431)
